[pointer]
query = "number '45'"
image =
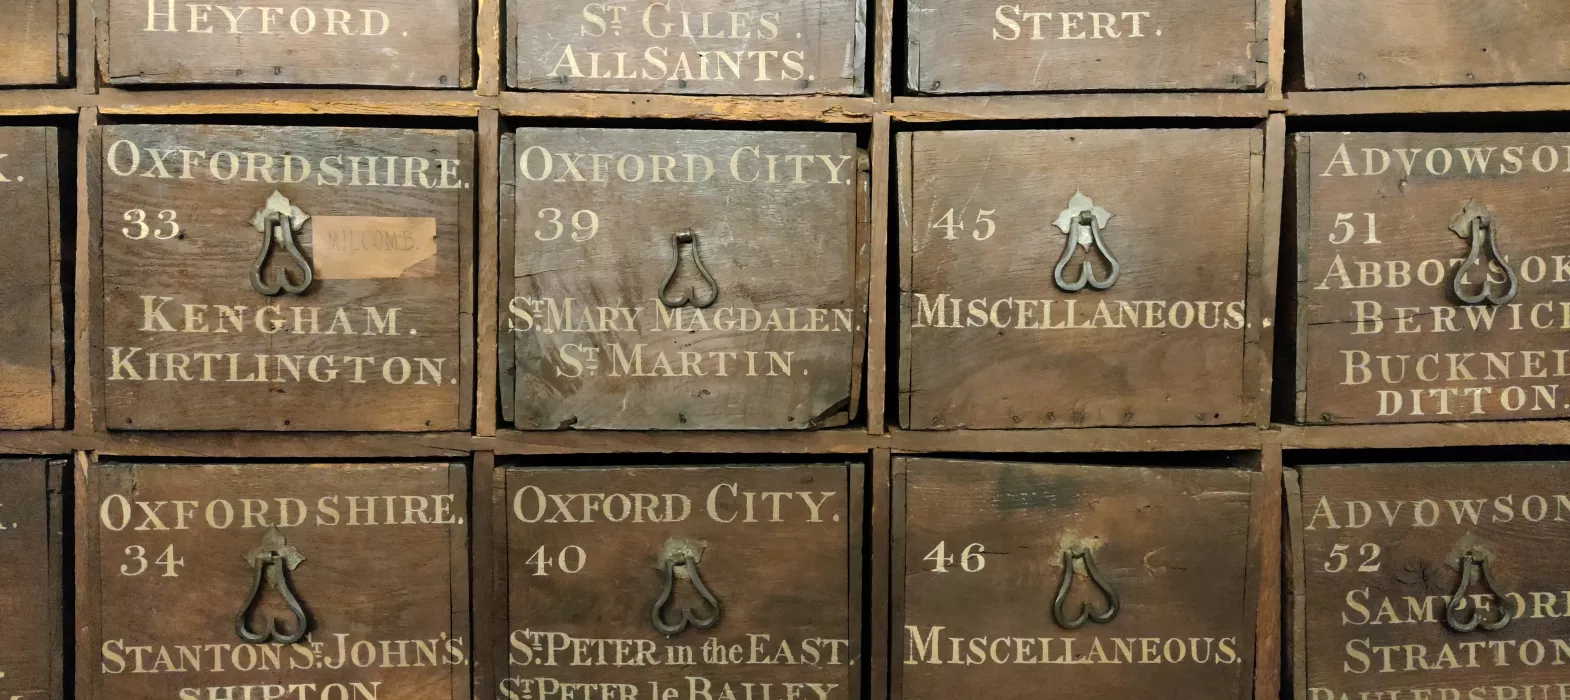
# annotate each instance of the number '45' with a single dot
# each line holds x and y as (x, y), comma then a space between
(951, 225)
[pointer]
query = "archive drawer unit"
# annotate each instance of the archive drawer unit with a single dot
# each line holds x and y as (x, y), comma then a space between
(1430, 580)
(1350, 44)
(31, 559)
(669, 279)
(971, 46)
(1430, 284)
(1036, 580)
(37, 40)
(32, 346)
(273, 580)
(283, 278)
(386, 43)
(687, 582)
(699, 47)
(1082, 278)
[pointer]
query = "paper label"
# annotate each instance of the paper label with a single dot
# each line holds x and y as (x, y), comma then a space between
(372, 247)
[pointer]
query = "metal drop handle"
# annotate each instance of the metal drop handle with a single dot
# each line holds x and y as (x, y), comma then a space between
(690, 238)
(1508, 608)
(1478, 224)
(1081, 224)
(688, 618)
(1086, 613)
(272, 560)
(279, 222)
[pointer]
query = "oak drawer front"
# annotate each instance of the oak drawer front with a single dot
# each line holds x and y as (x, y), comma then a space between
(196, 336)
(673, 280)
(198, 572)
(967, 46)
(31, 557)
(30, 208)
(1003, 323)
(1433, 43)
(986, 557)
(1395, 321)
(36, 36)
(699, 47)
(696, 580)
(1397, 560)
(387, 43)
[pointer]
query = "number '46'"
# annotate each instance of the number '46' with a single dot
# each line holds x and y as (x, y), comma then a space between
(950, 225)
(970, 559)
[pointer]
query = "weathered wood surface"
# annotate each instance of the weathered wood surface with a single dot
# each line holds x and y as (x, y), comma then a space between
(775, 545)
(699, 47)
(383, 579)
(30, 563)
(36, 35)
(983, 560)
(374, 343)
(1382, 334)
(774, 217)
(1432, 43)
(30, 377)
(968, 46)
(1383, 547)
(991, 341)
(393, 43)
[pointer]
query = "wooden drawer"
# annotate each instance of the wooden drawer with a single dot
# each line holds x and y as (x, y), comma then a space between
(192, 337)
(1395, 561)
(1160, 600)
(37, 39)
(969, 46)
(992, 335)
(665, 280)
(1395, 321)
(31, 556)
(697, 47)
(199, 580)
(1433, 43)
(32, 346)
(704, 582)
(388, 43)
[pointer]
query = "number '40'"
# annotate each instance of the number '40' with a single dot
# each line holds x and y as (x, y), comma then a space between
(568, 561)
(970, 559)
(951, 225)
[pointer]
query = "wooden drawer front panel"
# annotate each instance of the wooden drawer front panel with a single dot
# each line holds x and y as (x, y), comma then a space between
(390, 43)
(373, 343)
(991, 340)
(587, 553)
(986, 548)
(1384, 548)
(1396, 322)
(968, 46)
(30, 561)
(761, 324)
(30, 208)
(698, 47)
(375, 556)
(36, 36)
(1432, 43)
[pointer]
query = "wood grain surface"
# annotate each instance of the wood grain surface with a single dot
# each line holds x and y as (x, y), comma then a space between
(30, 562)
(990, 341)
(1174, 545)
(969, 46)
(697, 47)
(29, 284)
(1382, 552)
(36, 35)
(1382, 335)
(1433, 43)
(393, 43)
(778, 346)
(385, 622)
(190, 293)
